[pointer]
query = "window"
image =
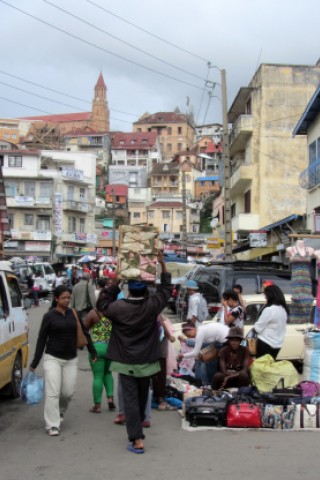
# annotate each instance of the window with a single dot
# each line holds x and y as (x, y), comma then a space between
(169, 130)
(165, 213)
(179, 147)
(14, 290)
(312, 152)
(70, 192)
(169, 147)
(179, 130)
(166, 227)
(247, 202)
(233, 210)
(28, 219)
(178, 214)
(14, 135)
(83, 193)
(15, 161)
(30, 189)
(11, 189)
(139, 130)
(136, 215)
(82, 225)
(45, 189)
(72, 224)
(11, 220)
(151, 213)
(43, 223)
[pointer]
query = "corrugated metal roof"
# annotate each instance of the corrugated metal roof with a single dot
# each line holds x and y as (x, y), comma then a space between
(209, 179)
(308, 116)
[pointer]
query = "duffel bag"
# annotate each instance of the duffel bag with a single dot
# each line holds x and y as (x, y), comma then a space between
(206, 411)
(278, 417)
(309, 388)
(243, 415)
(307, 416)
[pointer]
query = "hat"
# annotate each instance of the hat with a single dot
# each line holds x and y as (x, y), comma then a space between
(235, 332)
(136, 285)
(192, 285)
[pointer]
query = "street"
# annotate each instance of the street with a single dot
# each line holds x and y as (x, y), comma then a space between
(92, 447)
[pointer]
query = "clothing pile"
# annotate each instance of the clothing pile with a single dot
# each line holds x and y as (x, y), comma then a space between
(311, 363)
(138, 247)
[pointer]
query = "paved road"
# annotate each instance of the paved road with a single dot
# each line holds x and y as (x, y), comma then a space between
(92, 447)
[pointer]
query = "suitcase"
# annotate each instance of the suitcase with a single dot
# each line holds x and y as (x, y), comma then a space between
(206, 411)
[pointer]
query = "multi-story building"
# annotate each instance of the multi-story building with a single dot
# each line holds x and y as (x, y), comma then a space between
(128, 175)
(309, 126)
(136, 149)
(265, 160)
(138, 200)
(51, 203)
(167, 216)
(206, 186)
(167, 179)
(212, 132)
(175, 131)
(117, 201)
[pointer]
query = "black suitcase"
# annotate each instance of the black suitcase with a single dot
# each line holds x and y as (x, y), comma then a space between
(206, 411)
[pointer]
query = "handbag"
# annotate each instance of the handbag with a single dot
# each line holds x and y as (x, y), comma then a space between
(287, 391)
(208, 353)
(81, 338)
(278, 417)
(307, 416)
(309, 388)
(243, 415)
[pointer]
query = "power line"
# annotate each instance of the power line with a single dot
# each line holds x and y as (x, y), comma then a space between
(98, 47)
(50, 113)
(60, 93)
(122, 41)
(203, 90)
(149, 33)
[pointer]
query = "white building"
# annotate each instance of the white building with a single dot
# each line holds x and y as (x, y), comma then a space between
(51, 203)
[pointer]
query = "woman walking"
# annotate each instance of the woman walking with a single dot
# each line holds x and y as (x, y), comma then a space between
(58, 339)
(100, 328)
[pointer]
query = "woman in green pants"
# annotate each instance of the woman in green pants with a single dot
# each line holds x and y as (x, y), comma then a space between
(100, 328)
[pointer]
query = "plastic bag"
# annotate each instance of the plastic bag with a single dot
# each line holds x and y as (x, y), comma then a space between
(31, 390)
(266, 373)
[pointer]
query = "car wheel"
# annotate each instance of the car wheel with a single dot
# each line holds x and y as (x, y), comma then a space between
(16, 377)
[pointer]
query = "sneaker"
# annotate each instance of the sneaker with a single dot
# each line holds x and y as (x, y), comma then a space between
(53, 431)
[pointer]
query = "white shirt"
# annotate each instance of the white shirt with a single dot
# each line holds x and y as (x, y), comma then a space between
(208, 333)
(58, 281)
(271, 325)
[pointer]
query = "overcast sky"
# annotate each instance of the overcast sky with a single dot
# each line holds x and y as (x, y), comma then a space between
(231, 34)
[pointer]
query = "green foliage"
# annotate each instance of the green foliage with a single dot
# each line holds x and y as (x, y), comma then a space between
(206, 216)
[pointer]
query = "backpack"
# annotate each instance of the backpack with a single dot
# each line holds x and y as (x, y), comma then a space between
(203, 312)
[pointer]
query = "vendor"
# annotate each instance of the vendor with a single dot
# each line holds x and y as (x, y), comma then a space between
(233, 363)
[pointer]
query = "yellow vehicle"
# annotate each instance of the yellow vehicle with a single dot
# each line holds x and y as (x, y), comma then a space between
(14, 346)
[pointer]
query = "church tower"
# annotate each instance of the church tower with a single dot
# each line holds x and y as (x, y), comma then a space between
(100, 116)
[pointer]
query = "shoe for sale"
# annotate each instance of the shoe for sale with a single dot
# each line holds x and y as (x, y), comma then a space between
(53, 431)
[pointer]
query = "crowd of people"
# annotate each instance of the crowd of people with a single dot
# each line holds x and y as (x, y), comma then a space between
(129, 337)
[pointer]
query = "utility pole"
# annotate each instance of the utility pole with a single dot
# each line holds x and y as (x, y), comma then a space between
(227, 172)
(113, 226)
(184, 213)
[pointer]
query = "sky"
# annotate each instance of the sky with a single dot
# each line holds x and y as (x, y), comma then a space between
(153, 55)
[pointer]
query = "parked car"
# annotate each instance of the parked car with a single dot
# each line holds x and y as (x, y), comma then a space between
(213, 280)
(14, 345)
(293, 347)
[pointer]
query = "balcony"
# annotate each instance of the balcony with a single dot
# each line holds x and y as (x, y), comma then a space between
(241, 179)
(77, 206)
(241, 131)
(310, 177)
(245, 222)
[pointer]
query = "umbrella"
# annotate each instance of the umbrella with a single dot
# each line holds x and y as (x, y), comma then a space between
(87, 259)
(17, 260)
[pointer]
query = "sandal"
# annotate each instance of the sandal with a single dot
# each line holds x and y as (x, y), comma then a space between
(111, 404)
(95, 409)
(119, 420)
(165, 407)
(132, 448)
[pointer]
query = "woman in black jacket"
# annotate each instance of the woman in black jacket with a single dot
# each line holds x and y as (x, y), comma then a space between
(58, 339)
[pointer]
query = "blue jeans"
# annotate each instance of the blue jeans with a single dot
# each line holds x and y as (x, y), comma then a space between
(204, 371)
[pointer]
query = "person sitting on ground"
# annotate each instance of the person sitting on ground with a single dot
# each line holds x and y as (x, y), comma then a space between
(233, 312)
(234, 362)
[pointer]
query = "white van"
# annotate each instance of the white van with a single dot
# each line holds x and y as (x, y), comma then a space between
(14, 346)
(42, 272)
